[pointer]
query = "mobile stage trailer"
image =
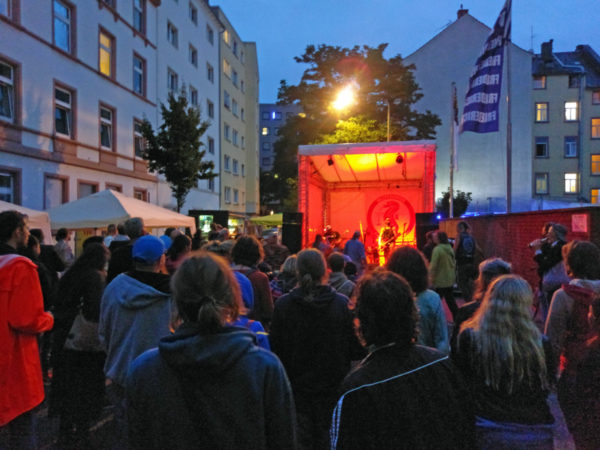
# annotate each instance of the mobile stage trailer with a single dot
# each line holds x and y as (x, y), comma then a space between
(356, 186)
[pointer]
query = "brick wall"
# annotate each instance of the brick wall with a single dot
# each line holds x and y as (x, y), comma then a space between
(508, 235)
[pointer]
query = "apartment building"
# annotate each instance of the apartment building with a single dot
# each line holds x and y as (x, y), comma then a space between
(566, 128)
(272, 117)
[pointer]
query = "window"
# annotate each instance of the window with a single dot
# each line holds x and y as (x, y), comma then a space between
(138, 15)
(541, 183)
(193, 14)
(211, 146)
(242, 88)
(235, 47)
(234, 78)
(106, 49)
(139, 75)
(227, 37)
(571, 183)
(235, 166)
(594, 195)
(172, 81)
(85, 188)
(276, 115)
(141, 194)
(56, 191)
(172, 34)
(139, 145)
(265, 116)
(596, 98)
(596, 128)
(193, 96)
(193, 56)
(210, 73)
(106, 127)
(243, 170)
(595, 166)
(570, 146)
(226, 68)
(234, 107)
(236, 196)
(234, 137)
(210, 106)
(63, 111)
(276, 131)
(288, 115)
(210, 34)
(10, 184)
(539, 81)
(266, 161)
(226, 100)
(266, 146)
(265, 131)
(226, 163)
(574, 81)
(243, 142)
(5, 7)
(62, 25)
(227, 194)
(242, 57)
(541, 147)
(227, 132)
(243, 114)
(110, 3)
(211, 184)
(114, 187)
(7, 91)
(570, 111)
(541, 112)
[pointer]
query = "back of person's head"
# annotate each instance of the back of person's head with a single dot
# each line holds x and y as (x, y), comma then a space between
(38, 233)
(336, 262)
(121, 229)
(489, 270)
(560, 231)
(386, 309)
(206, 292)
(169, 230)
(181, 245)
(10, 221)
(134, 227)
(61, 234)
(147, 252)
(111, 229)
(356, 235)
(442, 237)
(247, 251)
(318, 238)
(215, 247)
(463, 226)
(95, 256)
(410, 264)
(429, 236)
(350, 269)
(290, 265)
(93, 240)
(582, 260)
(32, 248)
(311, 269)
(507, 341)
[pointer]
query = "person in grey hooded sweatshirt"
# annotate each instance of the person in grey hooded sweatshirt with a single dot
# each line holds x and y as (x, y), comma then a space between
(337, 278)
(135, 312)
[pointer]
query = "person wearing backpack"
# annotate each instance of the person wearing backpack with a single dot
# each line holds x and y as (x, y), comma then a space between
(465, 248)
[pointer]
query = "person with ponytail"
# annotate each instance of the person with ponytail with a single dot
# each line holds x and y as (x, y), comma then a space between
(209, 385)
(312, 333)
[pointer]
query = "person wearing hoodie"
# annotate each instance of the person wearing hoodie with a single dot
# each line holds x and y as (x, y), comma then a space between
(209, 385)
(442, 270)
(568, 328)
(337, 278)
(135, 313)
(313, 335)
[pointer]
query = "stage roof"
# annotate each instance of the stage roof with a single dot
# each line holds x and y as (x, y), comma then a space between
(374, 161)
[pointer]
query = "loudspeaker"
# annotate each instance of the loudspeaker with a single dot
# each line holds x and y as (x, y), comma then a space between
(291, 231)
(425, 222)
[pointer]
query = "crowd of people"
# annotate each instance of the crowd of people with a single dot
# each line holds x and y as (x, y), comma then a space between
(236, 343)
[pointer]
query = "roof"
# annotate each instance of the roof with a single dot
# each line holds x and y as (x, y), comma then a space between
(583, 60)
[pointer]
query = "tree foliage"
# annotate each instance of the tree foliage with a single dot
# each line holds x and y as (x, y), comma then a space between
(176, 151)
(460, 205)
(378, 83)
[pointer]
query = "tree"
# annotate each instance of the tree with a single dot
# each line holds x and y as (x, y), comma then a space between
(379, 84)
(459, 206)
(176, 151)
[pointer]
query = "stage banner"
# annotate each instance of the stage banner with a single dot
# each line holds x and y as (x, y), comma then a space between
(480, 113)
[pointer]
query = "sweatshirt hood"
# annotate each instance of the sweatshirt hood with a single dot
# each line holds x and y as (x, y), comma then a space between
(322, 297)
(193, 353)
(446, 248)
(133, 294)
(583, 290)
(337, 279)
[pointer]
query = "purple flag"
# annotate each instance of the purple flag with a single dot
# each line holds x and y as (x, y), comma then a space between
(480, 113)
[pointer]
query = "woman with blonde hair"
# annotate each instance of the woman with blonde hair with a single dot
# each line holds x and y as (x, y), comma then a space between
(209, 385)
(506, 360)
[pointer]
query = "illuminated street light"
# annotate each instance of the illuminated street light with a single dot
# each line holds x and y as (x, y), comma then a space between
(345, 98)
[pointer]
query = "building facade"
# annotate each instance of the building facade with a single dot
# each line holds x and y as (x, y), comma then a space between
(272, 117)
(566, 125)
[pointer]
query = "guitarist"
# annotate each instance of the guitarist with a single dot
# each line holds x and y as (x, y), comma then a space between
(387, 237)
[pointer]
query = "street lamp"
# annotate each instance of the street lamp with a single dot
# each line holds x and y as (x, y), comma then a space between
(345, 98)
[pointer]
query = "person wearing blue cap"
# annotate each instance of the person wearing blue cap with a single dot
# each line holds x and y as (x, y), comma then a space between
(135, 313)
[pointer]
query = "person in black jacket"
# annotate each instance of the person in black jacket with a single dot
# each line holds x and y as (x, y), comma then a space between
(313, 335)
(402, 395)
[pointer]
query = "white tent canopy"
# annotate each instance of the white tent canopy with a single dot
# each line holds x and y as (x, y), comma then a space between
(37, 219)
(106, 207)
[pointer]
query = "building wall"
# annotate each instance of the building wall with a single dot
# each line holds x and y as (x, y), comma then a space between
(450, 57)
(252, 175)
(272, 117)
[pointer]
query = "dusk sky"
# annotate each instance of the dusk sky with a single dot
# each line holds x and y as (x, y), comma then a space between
(283, 28)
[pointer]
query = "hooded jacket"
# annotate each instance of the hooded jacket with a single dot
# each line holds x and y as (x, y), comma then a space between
(209, 391)
(133, 317)
(315, 340)
(341, 283)
(442, 266)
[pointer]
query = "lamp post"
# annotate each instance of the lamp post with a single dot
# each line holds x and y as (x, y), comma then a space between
(345, 98)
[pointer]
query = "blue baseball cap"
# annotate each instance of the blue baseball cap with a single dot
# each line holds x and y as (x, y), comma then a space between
(167, 241)
(148, 249)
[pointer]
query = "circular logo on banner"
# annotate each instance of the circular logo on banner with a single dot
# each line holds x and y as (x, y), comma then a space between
(397, 208)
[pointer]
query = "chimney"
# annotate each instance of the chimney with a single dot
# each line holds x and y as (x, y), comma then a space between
(461, 12)
(547, 51)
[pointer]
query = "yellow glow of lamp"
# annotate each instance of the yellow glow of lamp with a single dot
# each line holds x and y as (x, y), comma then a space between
(345, 98)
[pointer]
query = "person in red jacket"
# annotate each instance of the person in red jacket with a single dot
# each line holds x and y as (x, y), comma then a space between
(22, 318)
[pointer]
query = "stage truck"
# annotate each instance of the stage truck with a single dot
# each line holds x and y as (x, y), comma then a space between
(343, 188)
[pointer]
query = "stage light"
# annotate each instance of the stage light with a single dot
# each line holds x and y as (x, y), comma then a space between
(399, 159)
(330, 161)
(438, 217)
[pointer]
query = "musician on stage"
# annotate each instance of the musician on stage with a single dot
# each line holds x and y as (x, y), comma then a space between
(387, 237)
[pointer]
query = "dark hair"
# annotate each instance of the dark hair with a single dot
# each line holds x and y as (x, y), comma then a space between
(582, 259)
(180, 245)
(134, 227)
(335, 261)
(205, 290)
(410, 263)
(28, 250)
(38, 233)
(311, 270)
(61, 234)
(121, 229)
(247, 251)
(93, 240)
(9, 222)
(386, 309)
(216, 247)
(442, 237)
(111, 228)
(350, 269)
(318, 240)
(169, 230)
(464, 225)
(94, 256)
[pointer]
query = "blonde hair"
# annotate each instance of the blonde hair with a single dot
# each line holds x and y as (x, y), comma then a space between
(507, 343)
(290, 265)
